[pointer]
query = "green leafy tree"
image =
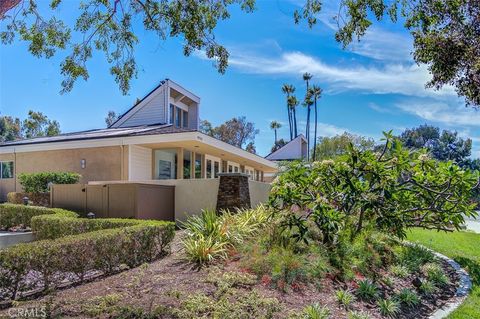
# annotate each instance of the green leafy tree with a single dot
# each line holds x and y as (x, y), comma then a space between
(444, 146)
(338, 145)
(390, 190)
(109, 27)
(37, 124)
(251, 148)
(10, 129)
(237, 131)
(280, 143)
(446, 34)
(111, 118)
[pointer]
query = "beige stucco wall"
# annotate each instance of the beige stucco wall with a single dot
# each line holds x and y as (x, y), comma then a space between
(102, 163)
(259, 192)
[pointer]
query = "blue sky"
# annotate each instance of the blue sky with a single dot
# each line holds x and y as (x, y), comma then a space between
(372, 86)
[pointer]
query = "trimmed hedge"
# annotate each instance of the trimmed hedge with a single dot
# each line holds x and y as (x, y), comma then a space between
(38, 182)
(56, 260)
(36, 199)
(55, 226)
(71, 247)
(13, 215)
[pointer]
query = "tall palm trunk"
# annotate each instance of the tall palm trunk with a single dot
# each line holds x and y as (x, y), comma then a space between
(307, 133)
(315, 134)
(289, 112)
(295, 121)
(276, 137)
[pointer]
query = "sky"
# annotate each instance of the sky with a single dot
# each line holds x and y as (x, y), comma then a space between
(372, 86)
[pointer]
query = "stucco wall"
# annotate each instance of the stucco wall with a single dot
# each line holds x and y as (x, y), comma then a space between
(259, 192)
(102, 163)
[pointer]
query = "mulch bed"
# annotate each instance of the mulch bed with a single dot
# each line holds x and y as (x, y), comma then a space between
(165, 281)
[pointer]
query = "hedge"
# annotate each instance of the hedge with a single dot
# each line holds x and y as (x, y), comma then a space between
(56, 260)
(13, 215)
(38, 182)
(71, 246)
(55, 226)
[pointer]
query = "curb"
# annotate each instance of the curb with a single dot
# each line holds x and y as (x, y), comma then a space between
(464, 287)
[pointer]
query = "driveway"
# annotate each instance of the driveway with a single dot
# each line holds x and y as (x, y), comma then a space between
(473, 224)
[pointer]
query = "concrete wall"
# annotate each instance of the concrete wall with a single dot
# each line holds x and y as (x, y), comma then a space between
(193, 195)
(102, 163)
(259, 192)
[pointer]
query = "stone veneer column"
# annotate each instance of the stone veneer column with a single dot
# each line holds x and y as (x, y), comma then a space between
(233, 191)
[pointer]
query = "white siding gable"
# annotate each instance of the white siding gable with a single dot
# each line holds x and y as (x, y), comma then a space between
(152, 110)
(139, 163)
(295, 149)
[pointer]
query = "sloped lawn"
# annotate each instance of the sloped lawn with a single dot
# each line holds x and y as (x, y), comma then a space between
(464, 248)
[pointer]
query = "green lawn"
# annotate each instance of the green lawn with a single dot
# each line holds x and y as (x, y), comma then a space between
(464, 248)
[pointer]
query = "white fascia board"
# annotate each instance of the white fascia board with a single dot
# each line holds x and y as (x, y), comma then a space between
(143, 139)
(184, 91)
(235, 150)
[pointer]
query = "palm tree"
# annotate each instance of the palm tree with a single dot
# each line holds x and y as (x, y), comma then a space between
(292, 104)
(288, 89)
(307, 77)
(308, 104)
(274, 125)
(316, 93)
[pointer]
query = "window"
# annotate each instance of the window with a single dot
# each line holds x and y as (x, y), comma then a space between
(165, 164)
(185, 118)
(6, 170)
(172, 113)
(198, 165)
(230, 168)
(216, 168)
(236, 169)
(178, 117)
(209, 168)
(187, 155)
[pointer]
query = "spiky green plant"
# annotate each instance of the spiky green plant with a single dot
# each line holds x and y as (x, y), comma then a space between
(388, 307)
(408, 297)
(367, 290)
(315, 311)
(344, 298)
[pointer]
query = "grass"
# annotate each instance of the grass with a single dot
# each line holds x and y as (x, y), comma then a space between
(463, 248)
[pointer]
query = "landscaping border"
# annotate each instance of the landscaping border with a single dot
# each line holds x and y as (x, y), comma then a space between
(464, 287)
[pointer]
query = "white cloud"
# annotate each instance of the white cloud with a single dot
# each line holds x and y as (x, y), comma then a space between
(380, 109)
(404, 79)
(384, 45)
(440, 112)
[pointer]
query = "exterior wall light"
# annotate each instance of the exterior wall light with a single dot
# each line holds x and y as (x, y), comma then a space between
(83, 163)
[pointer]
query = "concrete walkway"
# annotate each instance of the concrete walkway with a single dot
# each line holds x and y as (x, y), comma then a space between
(473, 224)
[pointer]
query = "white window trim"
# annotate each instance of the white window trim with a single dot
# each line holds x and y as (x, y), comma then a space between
(1, 173)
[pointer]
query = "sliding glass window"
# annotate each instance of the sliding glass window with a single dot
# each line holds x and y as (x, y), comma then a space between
(187, 160)
(209, 168)
(198, 165)
(165, 164)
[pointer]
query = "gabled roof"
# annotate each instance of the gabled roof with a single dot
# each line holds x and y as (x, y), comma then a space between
(102, 133)
(140, 101)
(290, 151)
(151, 95)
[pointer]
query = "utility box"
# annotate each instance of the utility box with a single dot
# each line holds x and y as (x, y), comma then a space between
(117, 200)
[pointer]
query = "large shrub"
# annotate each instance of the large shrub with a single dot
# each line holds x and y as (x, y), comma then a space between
(389, 190)
(38, 182)
(13, 215)
(46, 263)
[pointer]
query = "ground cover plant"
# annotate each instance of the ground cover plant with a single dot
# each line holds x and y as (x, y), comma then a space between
(463, 248)
(72, 249)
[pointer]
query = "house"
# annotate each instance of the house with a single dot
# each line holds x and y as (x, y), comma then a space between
(296, 149)
(158, 139)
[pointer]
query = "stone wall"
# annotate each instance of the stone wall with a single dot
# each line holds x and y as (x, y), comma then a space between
(233, 191)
